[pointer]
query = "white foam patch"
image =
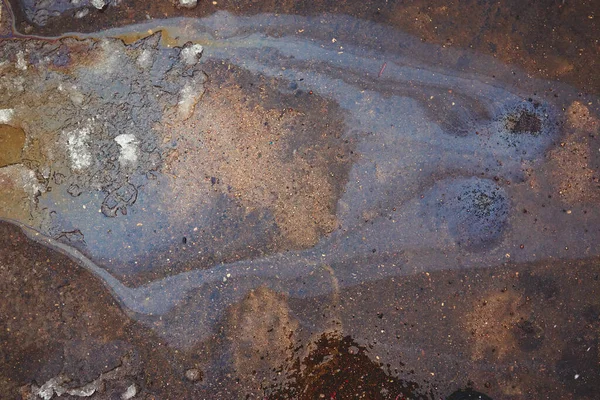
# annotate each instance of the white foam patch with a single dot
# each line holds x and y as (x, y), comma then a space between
(77, 146)
(144, 61)
(129, 393)
(6, 115)
(188, 97)
(129, 149)
(188, 3)
(190, 55)
(99, 4)
(21, 62)
(186, 101)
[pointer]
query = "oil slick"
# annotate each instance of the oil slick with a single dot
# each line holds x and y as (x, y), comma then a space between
(448, 150)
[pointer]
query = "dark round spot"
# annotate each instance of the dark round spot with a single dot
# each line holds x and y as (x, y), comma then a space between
(468, 394)
(529, 335)
(475, 211)
(525, 122)
(528, 126)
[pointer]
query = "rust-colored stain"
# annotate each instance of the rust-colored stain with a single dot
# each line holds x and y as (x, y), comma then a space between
(12, 141)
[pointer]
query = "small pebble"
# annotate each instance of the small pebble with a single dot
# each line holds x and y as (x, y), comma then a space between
(193, 375)
(188, 3)
(99, 4)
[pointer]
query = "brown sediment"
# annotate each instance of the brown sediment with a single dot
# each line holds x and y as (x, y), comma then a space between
(513, 329)
(265, 150)
(262, 337)
(60, 322)
(166, 38)
(490, 325)
(16, 192)
(12, 141)
(509, 330)
(5, 20)
(515, 32)
(575, 163)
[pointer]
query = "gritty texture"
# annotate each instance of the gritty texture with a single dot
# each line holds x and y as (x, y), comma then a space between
(244, 145)
(513, 31)
(104, 101)
(447, 324)
(300, 209)
(12, 141)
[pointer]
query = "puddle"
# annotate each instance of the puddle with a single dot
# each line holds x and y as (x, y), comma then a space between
(12, 141)
(206, 170)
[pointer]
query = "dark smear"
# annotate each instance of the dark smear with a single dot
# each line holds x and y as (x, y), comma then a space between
(578, 367)
(340, 368)
(528, 126)
(529, 335)
(476, 211)
(526, 122)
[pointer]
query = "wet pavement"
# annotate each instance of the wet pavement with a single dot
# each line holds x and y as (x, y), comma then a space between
(334, 200)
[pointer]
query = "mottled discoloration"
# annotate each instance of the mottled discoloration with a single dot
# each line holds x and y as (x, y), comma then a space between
(576, 162)
(283, 206)
(12, 141)
(265, 150)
